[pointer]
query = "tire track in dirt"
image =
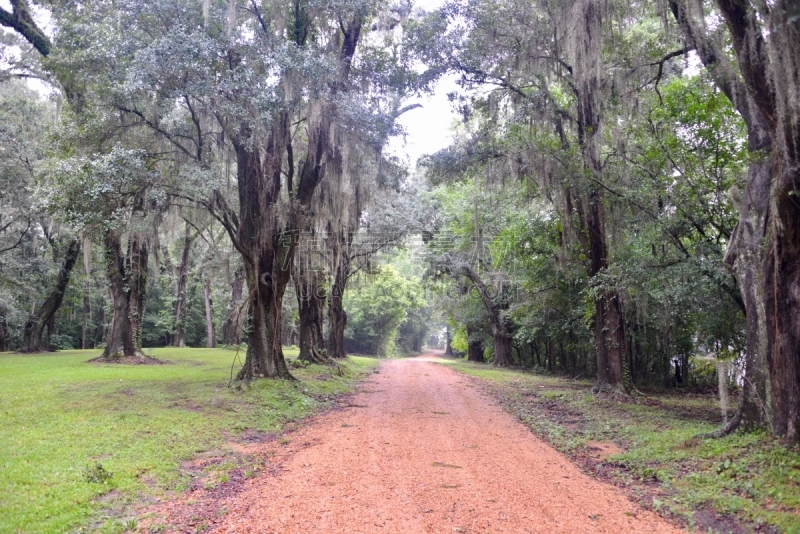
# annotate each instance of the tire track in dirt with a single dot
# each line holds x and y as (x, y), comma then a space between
(421, 450)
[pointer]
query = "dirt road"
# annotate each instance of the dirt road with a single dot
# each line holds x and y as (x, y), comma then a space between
(421, 449)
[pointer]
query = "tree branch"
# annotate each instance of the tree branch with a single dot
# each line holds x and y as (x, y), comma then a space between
(20, 20)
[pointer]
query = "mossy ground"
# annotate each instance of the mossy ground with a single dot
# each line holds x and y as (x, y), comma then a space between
(80, 441)
(740, 483)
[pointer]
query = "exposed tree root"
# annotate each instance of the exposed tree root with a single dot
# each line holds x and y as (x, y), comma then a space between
(139, 359)
(319, 357)
(730, 427)
(605, 388)
(617, 391)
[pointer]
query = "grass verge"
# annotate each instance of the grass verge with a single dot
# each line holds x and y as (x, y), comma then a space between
(80, 442)
(741, 483)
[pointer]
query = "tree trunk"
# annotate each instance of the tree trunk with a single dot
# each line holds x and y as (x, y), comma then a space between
(48, 332)
(535, 356)
(178, 334)
(475, 347)
(86, 319)
(310, 305)
(267, 230)
(448, 349)
(264, 350)
(746, 253)
(127, 280)
(609, 339)
(138, 278)
(503, 356)
(337, 317)
(3, 346)
(232, 329)
(769, 69)
(45, 314)
(782, 302)
(119, 341)
(211, 338)
(496, 306)
(609, 321)
(319, 321)
(782, 277)
(268, 255)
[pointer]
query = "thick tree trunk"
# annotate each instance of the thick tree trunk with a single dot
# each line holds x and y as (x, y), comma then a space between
(474, 347)
(211, 338)
(746, 253)
(610, 346)
(769, 69)
(448, 348)
(232, 329)
(782, 269)
(48, 333)
(267, 238)
(45, 314)
(264, 350)
(319, 321)
(496, 306)
(138, 260)
(127, 280)
(310, 304)
(268, 255)
(782, 302)
(503, 357)
(337, 317)
(178, 334)
(119, 341)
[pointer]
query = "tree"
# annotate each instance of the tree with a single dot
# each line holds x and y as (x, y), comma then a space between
(761, 248)
(557, 116)
(113, 198)
(310, 291)
(466, 249)
(232, 328)
(201, 67)
(22, 149)
(20, 19)
(42, 318)
(181, 279)
(769, 70)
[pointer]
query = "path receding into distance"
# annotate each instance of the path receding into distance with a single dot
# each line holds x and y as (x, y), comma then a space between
(421, 449)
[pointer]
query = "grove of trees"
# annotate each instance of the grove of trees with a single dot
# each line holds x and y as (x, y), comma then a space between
(621, 199)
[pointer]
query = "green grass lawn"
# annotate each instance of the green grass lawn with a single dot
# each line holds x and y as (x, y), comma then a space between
(748, 478)
(65, 425)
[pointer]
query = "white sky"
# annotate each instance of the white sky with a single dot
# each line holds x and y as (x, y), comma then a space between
(428, 129)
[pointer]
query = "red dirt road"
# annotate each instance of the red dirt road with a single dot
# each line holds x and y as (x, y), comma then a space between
(421, 449)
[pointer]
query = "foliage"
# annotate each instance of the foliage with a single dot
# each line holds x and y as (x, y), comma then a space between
(378, 307)
(510, 198)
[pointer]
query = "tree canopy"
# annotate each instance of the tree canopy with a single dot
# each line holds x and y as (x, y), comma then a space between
(619, 200)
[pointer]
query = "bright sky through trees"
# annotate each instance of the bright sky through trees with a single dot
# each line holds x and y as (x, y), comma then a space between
(428, 128)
